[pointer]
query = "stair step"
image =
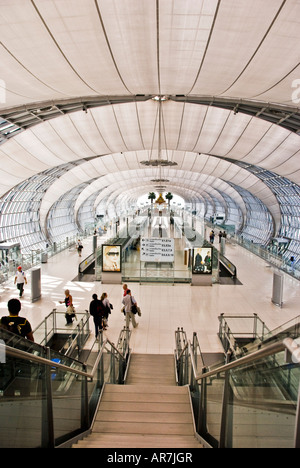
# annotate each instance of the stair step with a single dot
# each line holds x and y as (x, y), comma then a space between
(138, 441)
(169, 389)
(152, 369)
(160, 417)
(144, 398)
(142, 428)
(149, 411)
(145, 406)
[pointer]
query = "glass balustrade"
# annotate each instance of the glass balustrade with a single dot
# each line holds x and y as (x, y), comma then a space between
(48, 398)
(251, 402)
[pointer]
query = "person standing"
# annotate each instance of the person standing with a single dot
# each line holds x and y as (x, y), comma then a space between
(79, 247)
(128, 302)
(125, 289)
(20, 279)
(107, 309)
(70, 313)
(96, 309)
(15, 324)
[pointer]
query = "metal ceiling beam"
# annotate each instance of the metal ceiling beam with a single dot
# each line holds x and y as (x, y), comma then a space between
(24, 117)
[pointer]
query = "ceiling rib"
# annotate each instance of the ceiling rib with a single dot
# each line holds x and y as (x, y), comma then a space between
(23, 117)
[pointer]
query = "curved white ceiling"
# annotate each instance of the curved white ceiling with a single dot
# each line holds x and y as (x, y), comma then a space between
(65, 48)
(61, 49)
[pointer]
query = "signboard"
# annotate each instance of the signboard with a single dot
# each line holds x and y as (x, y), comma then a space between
(202, 261)
(111, 258)
(157, 249)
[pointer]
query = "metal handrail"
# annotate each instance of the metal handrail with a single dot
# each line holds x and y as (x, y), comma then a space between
(40, 360)
(182, 351)
(287, 343)
(107, 341)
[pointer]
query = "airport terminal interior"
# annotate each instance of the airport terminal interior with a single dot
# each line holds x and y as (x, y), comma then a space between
(162, 136)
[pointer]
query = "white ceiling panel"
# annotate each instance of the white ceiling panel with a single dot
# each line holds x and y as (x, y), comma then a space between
(56, 51)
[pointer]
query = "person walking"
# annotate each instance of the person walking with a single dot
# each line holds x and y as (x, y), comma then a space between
(107, 309)
(79, 247)
(70, 312)
(125, 289)
(20, 279)
(96, 311)
(15, 324)
(128, 302)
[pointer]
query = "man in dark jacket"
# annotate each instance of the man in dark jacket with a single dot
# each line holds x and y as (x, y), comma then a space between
(97, 311)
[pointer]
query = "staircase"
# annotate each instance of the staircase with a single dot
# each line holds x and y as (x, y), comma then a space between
(149, 411)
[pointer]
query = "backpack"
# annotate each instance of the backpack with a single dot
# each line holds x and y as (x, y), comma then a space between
(101, 309)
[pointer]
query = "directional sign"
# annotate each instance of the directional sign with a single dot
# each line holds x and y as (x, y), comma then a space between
(157, 249)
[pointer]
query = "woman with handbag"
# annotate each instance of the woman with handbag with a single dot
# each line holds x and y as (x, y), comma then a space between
(70, 312)
(107, 309)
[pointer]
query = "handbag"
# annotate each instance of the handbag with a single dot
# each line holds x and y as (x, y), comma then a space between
(133, 307)
(71, 311)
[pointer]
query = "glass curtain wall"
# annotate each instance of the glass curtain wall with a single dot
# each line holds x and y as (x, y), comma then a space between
(234, 213)
(19, 209)
(86, 212)
(288, 196)
(258, 225)
(61, 221)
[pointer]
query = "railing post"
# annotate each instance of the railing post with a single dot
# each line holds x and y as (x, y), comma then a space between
(85, 417)
(226, 418)
(255, 327)
(201, 420)
(297, 423)
(47, 409)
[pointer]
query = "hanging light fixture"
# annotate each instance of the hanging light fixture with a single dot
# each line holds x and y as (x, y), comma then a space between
(159, 162)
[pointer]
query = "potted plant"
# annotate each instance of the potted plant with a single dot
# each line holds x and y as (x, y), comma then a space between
(151, 197)
(169, 197)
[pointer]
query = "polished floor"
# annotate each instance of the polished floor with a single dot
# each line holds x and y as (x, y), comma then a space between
(164, 307)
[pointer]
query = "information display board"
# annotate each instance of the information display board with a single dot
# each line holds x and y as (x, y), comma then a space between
(157, 249)
(202, 258)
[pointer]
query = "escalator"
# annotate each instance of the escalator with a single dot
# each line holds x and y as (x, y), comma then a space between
(48, 398)
(249, 400)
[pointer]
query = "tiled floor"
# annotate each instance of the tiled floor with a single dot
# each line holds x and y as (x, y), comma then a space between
(165, 307)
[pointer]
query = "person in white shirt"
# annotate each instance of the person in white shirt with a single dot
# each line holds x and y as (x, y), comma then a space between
(128, 301)
(20, 279)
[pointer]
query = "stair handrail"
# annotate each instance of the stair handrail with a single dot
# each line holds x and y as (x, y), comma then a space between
(293, 355)
(102, 349)
(287, 344)
(18, 353)
(80, 369)
(15, 352)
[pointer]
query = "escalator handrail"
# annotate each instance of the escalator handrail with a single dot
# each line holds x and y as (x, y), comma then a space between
(286, 344)
(14, 352)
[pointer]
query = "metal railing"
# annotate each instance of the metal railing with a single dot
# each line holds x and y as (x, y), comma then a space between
(236, 331)
(48, 400)
(250, 402)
